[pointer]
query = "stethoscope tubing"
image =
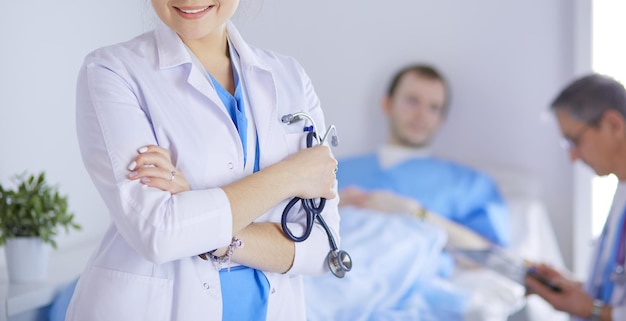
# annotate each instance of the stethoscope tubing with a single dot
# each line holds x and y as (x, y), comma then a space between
(339, 261)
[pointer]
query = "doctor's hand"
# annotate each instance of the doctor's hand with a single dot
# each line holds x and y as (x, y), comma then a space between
(572, 298)
(311, 172)
(153, 167)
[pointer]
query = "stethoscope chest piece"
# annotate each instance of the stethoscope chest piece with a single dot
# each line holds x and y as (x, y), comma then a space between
(339, 262)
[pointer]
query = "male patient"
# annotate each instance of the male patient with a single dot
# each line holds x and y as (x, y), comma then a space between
(416, 105)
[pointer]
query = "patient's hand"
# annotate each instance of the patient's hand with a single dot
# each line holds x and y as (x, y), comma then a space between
(382, 201)
(389, 202)
(153, 167)
(352, 196)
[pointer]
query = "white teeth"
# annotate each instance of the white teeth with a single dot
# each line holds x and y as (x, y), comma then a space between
(193, 11)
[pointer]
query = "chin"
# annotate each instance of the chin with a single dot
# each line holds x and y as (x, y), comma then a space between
(602, 172)
(415, 144)
(418, 142)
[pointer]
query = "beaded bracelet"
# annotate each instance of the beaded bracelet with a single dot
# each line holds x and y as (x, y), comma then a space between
(226, 258)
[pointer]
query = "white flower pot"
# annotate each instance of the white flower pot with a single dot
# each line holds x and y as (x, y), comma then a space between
(27, 259)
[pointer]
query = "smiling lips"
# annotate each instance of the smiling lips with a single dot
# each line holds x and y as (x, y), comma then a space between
(193, 12)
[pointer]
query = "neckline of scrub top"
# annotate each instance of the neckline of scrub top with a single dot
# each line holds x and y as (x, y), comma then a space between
(392, 155)
(236, 108)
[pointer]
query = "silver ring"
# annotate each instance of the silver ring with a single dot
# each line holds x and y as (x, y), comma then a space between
(336, 169)
(173, 175)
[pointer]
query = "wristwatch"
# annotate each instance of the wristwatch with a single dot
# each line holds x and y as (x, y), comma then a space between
(596, 311)
(420, 213)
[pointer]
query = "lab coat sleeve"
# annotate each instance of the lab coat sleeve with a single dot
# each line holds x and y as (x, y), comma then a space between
(619, 311)
(111, 126)
(310, 255)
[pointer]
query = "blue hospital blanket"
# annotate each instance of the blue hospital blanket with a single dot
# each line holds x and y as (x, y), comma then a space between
(394, 274)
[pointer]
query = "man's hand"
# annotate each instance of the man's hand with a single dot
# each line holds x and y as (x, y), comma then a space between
(571, 299)
(382, 201)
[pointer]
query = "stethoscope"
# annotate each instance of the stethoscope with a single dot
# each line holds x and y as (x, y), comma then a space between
(615, 272)
(339, 261)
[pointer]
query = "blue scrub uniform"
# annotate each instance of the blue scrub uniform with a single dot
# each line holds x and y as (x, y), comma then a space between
(245, 290)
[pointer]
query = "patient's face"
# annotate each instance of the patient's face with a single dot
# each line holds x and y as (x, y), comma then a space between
(416, 110)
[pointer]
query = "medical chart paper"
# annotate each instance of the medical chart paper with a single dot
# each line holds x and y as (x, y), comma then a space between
(493, 258)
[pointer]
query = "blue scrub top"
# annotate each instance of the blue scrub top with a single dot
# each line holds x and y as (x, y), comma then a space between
(245, 291)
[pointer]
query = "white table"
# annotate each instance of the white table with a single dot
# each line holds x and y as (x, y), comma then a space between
(26, 301)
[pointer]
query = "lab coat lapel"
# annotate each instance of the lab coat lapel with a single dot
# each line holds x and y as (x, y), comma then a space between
(262, 96)
(262, 99)
(178, 56)
(199, 81)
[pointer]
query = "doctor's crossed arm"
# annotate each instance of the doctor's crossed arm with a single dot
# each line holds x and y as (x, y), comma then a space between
(250, 197)
(180, 131)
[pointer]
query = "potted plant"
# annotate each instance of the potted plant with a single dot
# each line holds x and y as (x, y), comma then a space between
(30, 217)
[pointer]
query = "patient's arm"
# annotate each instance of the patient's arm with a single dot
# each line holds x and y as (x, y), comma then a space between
(384, 201)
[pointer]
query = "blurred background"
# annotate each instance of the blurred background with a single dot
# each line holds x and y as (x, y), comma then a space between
(505, 61)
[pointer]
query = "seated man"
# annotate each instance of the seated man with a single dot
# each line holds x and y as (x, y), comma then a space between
(416, 106)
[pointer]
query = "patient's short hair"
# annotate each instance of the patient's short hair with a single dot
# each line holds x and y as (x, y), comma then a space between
(422, 70)
(587, 98)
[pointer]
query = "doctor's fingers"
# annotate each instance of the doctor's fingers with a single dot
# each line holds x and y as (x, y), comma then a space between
(570, 299)
(155, 149)
(547, 272)
(318, 158)
(319, 165)
(172, 181)
(151, 159)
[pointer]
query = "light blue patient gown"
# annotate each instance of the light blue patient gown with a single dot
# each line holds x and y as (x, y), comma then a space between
(400, 270)
(453, 191)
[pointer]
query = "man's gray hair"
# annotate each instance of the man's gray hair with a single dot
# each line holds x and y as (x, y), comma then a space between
(587, 98)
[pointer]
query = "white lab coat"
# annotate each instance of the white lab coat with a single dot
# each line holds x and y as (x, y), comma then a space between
(148, 91)
(600, 260)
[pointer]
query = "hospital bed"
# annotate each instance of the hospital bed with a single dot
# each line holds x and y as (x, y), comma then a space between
(390, 284)
(532, 233)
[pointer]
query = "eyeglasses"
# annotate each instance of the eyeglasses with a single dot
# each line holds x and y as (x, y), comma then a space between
(568, 143)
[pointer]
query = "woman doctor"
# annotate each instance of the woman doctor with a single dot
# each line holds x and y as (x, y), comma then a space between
(591, 113)
(193, 97)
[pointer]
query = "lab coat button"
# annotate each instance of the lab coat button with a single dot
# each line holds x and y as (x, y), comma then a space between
(273, 290)
(206, 286)
(231, 165)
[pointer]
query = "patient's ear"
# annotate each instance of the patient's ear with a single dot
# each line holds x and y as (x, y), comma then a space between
(386, 105)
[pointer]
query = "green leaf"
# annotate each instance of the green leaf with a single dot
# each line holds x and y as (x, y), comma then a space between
(33, 208)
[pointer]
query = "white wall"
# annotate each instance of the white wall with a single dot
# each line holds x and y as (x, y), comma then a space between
(43, 46)
(505, 61)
